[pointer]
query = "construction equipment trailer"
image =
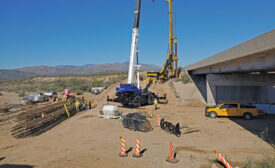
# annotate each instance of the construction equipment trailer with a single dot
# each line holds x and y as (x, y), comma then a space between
(170, 67)
(131, 94)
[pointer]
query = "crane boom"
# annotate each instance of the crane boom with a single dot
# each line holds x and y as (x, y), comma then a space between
(130, 94)
(134, 44)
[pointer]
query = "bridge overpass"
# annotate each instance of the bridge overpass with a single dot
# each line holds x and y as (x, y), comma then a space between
(244, 73)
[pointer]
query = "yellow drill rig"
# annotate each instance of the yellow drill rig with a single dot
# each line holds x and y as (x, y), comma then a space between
(170, 67)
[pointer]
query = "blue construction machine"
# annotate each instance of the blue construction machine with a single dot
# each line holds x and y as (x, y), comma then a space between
(131, 94)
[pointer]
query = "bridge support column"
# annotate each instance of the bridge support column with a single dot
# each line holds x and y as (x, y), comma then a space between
(244, 88)
(210, 91)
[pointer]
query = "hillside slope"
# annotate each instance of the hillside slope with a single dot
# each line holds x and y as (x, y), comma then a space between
(68, 69)
(14, 74)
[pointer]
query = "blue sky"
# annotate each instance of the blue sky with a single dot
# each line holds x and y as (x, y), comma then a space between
(71, 32)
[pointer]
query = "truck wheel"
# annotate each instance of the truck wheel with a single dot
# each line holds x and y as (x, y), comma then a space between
(206, 113)
(137, 101)
(150, 99)
(247, 116)
(124, 104)
(212, 114)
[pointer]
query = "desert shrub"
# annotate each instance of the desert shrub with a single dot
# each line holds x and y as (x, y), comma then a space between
(81, 85)
(186, 79)
(268, 162)
(29, 88)
(44, 85)
(97, 83)
(72, 82)
(60, 83)
(29, 82)
(21, 94)
(109, 82)
(80, 92)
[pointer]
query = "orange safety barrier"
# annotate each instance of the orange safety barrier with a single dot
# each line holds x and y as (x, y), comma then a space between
(158, 120)
(172, 158)
(123, 147)
(137, 151)
(226, 164)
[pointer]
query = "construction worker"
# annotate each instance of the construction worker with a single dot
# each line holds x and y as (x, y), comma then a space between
(84, 105)
(156, 103)
(69, 101)
(77, 104)
(88, 104)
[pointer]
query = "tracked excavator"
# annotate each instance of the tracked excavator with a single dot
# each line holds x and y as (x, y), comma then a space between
(130, 94)
(170, 67)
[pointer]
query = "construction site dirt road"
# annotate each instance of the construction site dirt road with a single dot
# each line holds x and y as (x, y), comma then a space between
(88, 141)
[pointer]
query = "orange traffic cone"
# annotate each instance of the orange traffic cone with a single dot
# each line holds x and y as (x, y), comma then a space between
(172, 158)
(158, 120)
(137, 151)
(123, 147)
(226, 164)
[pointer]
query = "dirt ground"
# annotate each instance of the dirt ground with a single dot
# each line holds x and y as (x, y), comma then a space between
(88, 141)
(9, 98)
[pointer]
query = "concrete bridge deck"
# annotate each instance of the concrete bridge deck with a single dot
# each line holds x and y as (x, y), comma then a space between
(244, 73)
(257, 54)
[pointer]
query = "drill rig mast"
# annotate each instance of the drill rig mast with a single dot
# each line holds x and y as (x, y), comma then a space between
(170, 67)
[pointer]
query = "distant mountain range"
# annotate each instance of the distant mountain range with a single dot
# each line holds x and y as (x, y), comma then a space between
(42, 70)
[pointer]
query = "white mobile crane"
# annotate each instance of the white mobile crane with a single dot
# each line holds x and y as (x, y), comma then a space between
(134, 46)
(130, 94)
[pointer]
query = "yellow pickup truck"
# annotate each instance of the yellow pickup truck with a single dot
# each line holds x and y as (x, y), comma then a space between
(232, 109)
